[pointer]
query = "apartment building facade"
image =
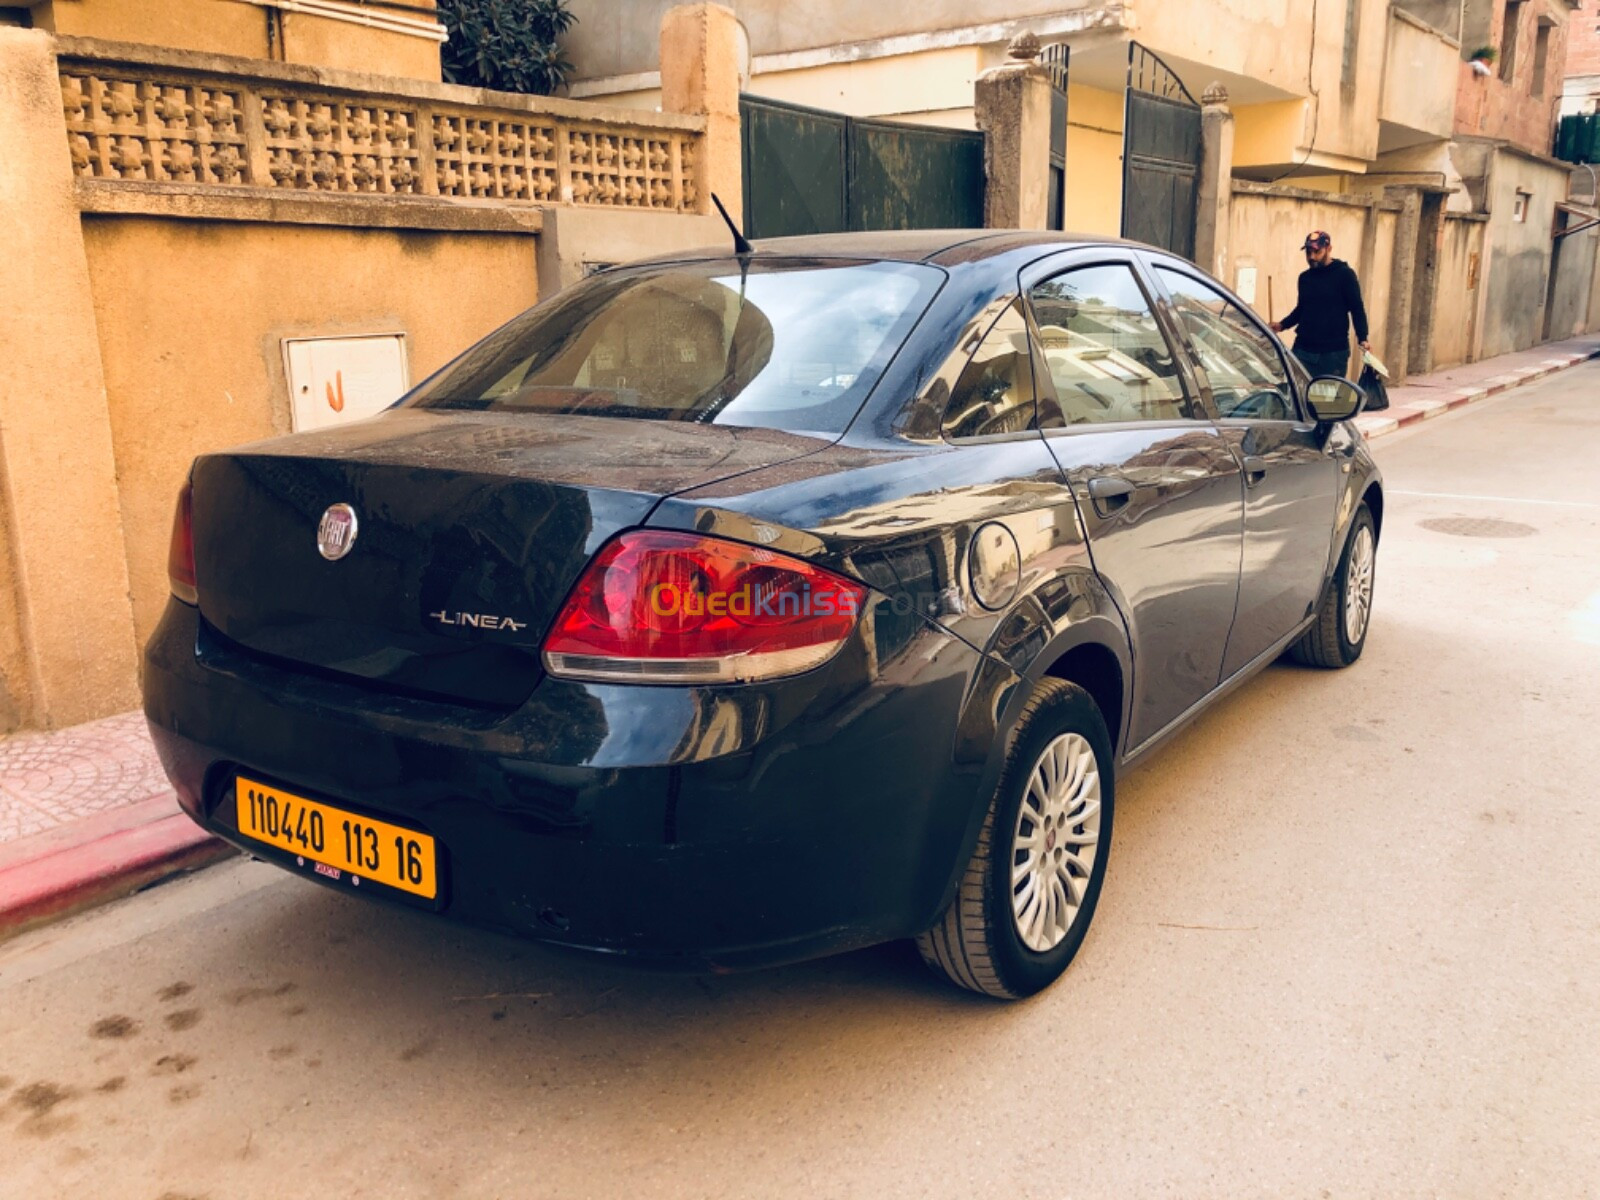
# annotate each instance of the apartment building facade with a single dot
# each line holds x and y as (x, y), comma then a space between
(1333, 107)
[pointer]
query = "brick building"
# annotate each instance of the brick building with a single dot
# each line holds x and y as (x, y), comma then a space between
(1580, 91)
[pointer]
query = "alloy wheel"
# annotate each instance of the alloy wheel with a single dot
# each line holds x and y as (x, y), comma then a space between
(1055, 841)
(1358, 586)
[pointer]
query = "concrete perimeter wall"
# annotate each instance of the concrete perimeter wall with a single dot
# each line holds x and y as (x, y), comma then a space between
(191, 316)
(1460, 282)
(1520, 257)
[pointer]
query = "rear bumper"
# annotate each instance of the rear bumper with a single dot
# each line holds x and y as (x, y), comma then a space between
(724, 827)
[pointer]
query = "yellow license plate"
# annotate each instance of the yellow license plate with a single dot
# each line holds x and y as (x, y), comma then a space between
(336, 842)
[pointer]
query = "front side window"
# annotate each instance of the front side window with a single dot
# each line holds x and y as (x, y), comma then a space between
(995, 392)
(1247, 374)
(784, 344)
(1107, 357)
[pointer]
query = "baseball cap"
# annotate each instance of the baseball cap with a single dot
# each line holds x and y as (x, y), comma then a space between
(1316, 240)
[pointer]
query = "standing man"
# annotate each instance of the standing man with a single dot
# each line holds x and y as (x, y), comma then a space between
(1329, 300)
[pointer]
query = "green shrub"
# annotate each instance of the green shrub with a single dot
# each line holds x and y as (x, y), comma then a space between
(508, 45)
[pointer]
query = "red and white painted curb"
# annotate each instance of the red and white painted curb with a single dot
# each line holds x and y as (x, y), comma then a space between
(99, 859)
(1422, 408)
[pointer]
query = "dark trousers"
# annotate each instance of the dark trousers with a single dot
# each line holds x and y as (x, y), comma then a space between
(1324, 362)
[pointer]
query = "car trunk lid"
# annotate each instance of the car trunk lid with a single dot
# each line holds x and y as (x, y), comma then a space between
(470, 530)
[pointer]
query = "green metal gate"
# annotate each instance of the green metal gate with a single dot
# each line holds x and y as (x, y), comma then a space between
(807, 170)
(1160, 156)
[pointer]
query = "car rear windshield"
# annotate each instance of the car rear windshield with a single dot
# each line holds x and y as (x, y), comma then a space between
(784, 344)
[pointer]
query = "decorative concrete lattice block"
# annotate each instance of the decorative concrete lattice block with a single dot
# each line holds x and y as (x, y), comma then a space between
(495, 158)
(332, 146)
(161, 132)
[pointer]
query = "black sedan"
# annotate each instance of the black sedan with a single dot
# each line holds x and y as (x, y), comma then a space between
(732, 609)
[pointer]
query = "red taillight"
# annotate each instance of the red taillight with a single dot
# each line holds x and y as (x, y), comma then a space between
(662, 607)
(180, 556)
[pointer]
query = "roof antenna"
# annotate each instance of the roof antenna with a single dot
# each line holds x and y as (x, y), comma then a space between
(741, 247)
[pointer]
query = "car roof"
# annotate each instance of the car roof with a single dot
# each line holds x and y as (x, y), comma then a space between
(941, 246)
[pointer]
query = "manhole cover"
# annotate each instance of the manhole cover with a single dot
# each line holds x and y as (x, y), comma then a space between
(1484, 527)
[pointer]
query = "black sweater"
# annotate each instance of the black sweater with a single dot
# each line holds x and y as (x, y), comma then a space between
(1330, 298)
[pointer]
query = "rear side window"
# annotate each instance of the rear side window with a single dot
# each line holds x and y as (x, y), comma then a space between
(995, 392)
(785, 344)
(1105, 353)
(1247, 374)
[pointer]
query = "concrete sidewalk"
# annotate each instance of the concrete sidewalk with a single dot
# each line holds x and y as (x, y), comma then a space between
(86, 814)
(1425, 396)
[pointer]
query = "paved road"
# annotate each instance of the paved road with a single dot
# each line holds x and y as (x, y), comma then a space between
(1348, 947)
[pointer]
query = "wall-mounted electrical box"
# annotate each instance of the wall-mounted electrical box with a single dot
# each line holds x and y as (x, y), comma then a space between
(339, 379)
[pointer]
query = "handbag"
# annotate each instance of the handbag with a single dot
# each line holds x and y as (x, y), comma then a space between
(1372, 384)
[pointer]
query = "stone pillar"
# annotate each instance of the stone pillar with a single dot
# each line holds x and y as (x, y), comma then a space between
(69, 568)
(1402, 282)
(701, 51)
(1012, 103)
(1213, 221)
(1424, 303)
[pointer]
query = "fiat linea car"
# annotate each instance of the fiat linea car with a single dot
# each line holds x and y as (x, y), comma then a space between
(731, 609)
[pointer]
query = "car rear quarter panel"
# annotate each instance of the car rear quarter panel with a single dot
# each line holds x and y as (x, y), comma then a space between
(907, 521)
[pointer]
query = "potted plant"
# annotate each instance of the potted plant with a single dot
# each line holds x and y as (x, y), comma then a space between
(1483, 59)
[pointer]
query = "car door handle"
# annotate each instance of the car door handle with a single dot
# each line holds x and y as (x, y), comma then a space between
(1255, 469)
(1109, 493)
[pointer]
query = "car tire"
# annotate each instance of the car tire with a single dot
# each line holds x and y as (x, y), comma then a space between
(989, 939)
(1328, 643)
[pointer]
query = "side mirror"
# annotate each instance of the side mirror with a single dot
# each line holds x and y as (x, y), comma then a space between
(1334, 399)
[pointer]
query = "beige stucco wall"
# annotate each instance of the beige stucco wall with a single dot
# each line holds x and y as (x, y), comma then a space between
(1456, 300)
(1419, 59)
(1593, 309)
(318, 42)
(1269, 42)
(214, 26)
(1573, 280)
(898, 86)
(66, 646)
(191, 313)
(1518, 271)
(616, 37)
(1094, 161)
(15, 686)
(1263, 134)
(229, 27)
(1376, 281)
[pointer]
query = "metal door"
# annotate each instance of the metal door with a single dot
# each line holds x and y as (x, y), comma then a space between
(807, 170)
(1160, 156)
(794, 168)
(912, 176)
